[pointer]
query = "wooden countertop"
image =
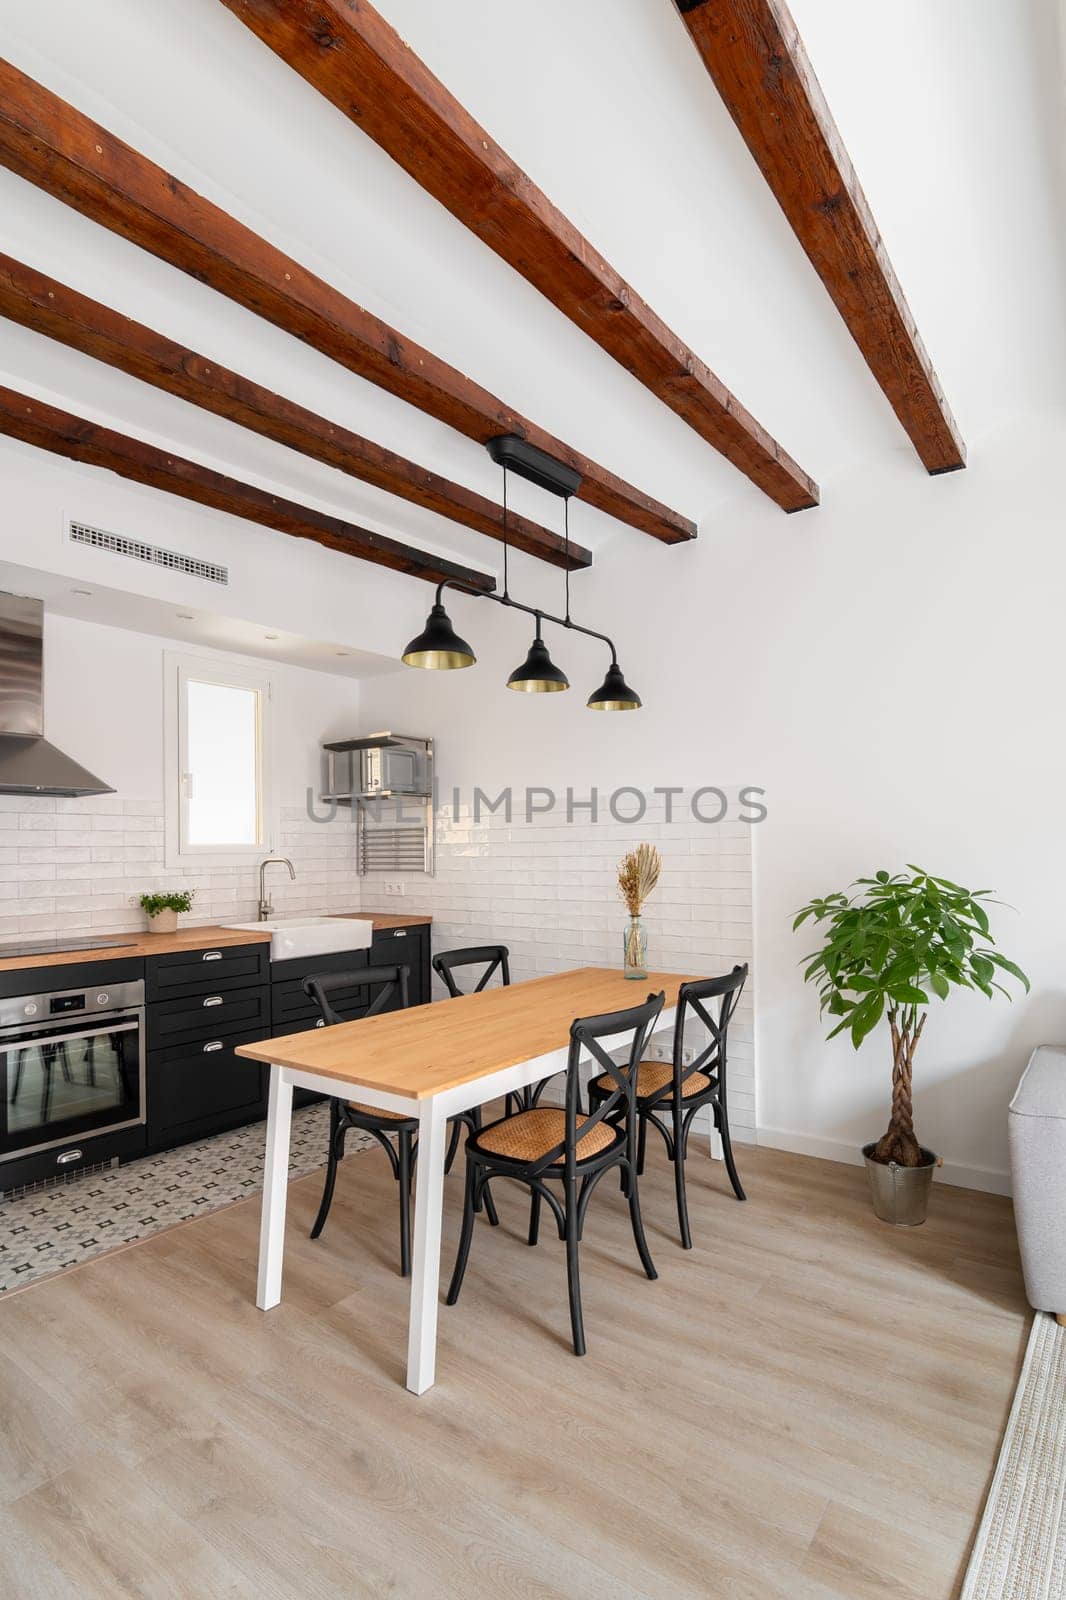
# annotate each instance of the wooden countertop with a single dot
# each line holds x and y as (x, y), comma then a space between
(135, 946)
(385, 921)
(420, 1052)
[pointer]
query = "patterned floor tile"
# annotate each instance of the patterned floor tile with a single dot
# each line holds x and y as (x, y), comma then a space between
(41, 1234)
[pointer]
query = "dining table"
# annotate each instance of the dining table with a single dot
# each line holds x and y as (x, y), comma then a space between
(430, 1062)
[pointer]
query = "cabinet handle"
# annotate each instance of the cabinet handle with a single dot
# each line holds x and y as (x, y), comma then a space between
(400, 933)
(211, 955)
(215, 1044)
(214, 1000)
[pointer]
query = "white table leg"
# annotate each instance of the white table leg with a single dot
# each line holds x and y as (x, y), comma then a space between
(425, 1266)
(275, 1190)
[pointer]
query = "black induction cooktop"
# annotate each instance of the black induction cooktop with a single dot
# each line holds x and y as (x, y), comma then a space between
(60, 945)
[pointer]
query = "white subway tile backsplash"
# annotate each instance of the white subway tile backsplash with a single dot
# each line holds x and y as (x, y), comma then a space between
(69, 865)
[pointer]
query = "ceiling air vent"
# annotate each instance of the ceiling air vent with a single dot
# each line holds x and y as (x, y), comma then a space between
(119, 545)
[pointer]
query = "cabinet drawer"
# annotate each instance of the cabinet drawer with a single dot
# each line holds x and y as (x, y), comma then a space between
(197, 1089)
(390, 943)
(236, 966)
(292, 1010)
(202, 1016)
(405, 947)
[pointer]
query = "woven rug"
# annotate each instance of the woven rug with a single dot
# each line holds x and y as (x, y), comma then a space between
(47, 1232)
(1020, 1551)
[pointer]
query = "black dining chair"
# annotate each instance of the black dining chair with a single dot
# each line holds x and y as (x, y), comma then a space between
(492, 958)
(560, 1144)
(677, 1091)
(391, 986)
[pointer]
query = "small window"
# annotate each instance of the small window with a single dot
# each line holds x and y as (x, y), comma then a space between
(218, 802)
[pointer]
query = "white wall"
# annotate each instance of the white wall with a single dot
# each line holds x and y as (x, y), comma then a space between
(890, 669)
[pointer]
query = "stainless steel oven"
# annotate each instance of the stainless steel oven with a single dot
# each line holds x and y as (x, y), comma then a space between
(72, 1068)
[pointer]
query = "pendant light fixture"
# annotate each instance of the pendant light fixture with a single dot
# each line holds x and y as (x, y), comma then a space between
(614, 693)
(440, 648)
(438, 645)
(538, 673)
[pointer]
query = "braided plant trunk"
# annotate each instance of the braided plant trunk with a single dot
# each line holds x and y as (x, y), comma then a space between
(899, 1143)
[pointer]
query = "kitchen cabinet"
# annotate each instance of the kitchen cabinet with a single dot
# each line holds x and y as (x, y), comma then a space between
(201, 1005)
(189, 972)
(407, 947)
(202, 1087)
(192, 1017)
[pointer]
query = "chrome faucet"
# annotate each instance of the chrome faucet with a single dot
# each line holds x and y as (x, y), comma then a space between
(266, 909)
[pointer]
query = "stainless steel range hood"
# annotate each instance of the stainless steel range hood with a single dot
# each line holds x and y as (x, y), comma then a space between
(28, 763)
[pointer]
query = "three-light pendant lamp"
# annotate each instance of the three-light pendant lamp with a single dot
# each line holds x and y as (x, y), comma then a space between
(440, 648)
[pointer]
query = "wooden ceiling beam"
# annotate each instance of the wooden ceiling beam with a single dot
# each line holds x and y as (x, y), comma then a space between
(353, 57)
(37, 301)
(47, 427)
(65, 153)
(754, 53)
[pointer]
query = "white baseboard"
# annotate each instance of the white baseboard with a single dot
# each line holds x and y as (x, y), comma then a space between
(987, 1179)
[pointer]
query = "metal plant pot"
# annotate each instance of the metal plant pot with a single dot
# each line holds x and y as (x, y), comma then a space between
(900, 1194)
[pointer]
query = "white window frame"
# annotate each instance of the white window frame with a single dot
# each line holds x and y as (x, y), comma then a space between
(179, 669)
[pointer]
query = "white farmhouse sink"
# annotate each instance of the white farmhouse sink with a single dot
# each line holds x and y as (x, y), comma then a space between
(292, 937)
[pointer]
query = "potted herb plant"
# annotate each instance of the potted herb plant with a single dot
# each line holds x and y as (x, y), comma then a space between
(162, 909)
(886, 949)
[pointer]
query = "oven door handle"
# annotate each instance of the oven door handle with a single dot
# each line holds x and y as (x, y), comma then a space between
(63, 1038)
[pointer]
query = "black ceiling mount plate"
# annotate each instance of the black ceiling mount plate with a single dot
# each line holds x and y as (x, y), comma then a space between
(518, 455)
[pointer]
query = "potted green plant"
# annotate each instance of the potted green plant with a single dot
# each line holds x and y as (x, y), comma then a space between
(162, 908)
(886, 949)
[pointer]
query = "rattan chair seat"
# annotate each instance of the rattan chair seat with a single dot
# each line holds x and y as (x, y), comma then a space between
(380, 1112)
(531, 1134)
(652, 1076)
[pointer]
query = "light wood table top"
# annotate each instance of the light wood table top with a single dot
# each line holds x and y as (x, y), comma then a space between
(423, 1051)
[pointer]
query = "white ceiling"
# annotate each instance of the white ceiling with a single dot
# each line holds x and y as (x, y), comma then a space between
(193, 625)
(952, 113)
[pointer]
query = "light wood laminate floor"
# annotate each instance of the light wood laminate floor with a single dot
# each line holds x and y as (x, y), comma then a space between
(805, 1407)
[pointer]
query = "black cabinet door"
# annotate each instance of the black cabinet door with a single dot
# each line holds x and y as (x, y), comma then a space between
(407, 947)
(203, 1088)
(194, 1018)
(289, 1005)
(238, 966)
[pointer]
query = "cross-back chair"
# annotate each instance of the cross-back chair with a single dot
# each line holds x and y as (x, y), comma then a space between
(493, 958)
(542, 1145)
(675, 1091)
(388, 987)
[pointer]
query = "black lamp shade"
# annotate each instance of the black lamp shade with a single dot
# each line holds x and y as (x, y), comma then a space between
(438, 645)
(538, 673)
(614, 693)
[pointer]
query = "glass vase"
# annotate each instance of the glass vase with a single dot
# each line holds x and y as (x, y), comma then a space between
(635, 950)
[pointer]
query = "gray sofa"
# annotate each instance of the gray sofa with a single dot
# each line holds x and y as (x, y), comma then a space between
(1037, 1127)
